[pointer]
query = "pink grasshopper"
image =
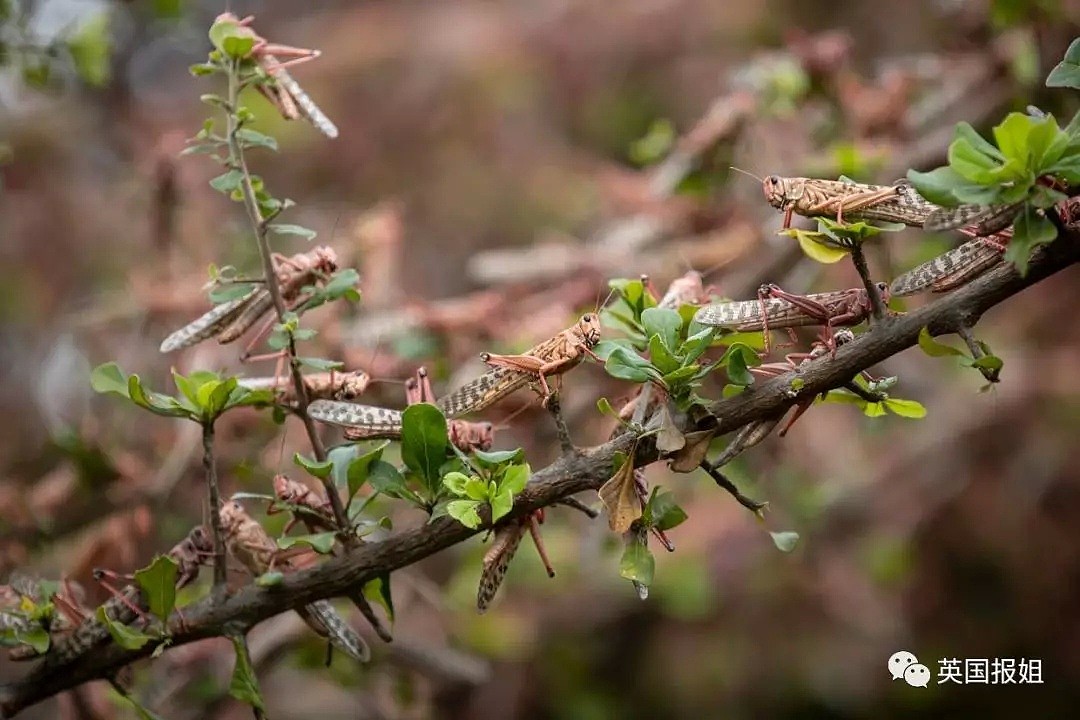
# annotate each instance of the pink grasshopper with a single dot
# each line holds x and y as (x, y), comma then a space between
(284, 93)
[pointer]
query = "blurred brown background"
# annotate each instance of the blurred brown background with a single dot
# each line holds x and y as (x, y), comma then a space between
(497, 162)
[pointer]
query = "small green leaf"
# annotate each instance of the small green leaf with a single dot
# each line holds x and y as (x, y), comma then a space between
(661, 357)
(515, 478)
(1031, 230)
(814, 245)
(464, 511)
(201, 69)
(227, 182)
(604, 406)
(737, 361)
(244, 686)
(378, 589)
(283, 229)
(322, 543)
(494, 458)
(905, 408)
(158, 583)
(501, 504)
(387, 480)
(36, 637)
(785, 541)
(628, 365)
(317, 468)
(663, 322)
(360, 467)
(124, 636)
(933, 348)
(476, 489)
(269, 579)
(455, 482)
(637, 563)
(662, 512)
(424, 441)
(109, 378)
(937, 185)
(237, 47)
(252, 138)
(991, 363)
(1067, 72)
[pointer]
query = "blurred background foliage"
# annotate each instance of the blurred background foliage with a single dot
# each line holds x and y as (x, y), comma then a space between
(498, 162)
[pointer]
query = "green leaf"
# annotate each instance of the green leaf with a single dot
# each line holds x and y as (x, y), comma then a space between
(227, 182)
(122, 635)
(501, 504)
(696, 345)
(1031, 230)
(874, 409)
(662, 512)
(360, 468)
(155, 402)
(785, 541)
(244, 686)
(991, 363)
(604, 406)
(515, 478)
(424, 442)
(36, 637)
(237, 47)
(494, 458)
(321, 364)
(109, 378)
(158, 583)
(269, 579)
(322, 543)
(937, 185)
(201, 69)
(226, 293)
(252, 138)
(637, 563)
(455, 482)
(1067, 72)
(970, 163)
(656, 143)
(317, 468)
(933, 348)
(814, 246)
(628, 365)
(378, 589)
(663, 322)
(737, 361)
(387, 480)
(283, 229)
(980, 144)
(906, 408)
(661, 357)
(476, 489)
(464, 511)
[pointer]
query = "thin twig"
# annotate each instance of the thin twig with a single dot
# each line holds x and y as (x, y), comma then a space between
(992, 375)
(259, 225)
(553, 407)
(720, 479)
(210, 469)
(877, 305)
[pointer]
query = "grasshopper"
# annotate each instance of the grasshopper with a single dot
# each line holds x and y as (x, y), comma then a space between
(229, 320)
(249, 543)
(899, 202)
(812, 197)
(284, 93)
(503, 548)
(780, 309)
(367, 422)
(511, 372)
(127, 604)
(331, 385)
(305, 503)
(951, 269)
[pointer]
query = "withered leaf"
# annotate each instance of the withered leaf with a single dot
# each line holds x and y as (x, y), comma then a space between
(619, 496)
(693, 452)
(670, 438)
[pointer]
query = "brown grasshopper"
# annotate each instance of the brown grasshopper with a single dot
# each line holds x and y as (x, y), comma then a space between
(511, 372)
(305, 503)
(900, 202)
(953, 268)
(780, 309)
(367, 422)
(332, 385)
(229, 320)
(812, 197)
(284, 93)
(249, 543)
(127, 603)
(503, 548)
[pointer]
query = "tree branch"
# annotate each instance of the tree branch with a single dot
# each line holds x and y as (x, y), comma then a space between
(570, 474)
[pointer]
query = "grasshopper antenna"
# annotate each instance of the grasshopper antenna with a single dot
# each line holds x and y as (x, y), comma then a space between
(745, 172)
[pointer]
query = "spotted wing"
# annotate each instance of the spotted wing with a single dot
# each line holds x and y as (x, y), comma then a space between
(307, 106)
(321, 617)
(369, 420)
(497, 561)
(217, 319)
